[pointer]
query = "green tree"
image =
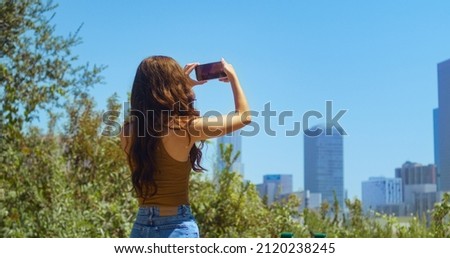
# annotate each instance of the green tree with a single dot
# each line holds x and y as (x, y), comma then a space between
(72, 183)
(38, 68)
(441, 218)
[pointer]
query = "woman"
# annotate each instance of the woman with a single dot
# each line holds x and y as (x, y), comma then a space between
(160, 142)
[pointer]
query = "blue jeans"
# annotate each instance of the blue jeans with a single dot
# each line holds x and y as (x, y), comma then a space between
(149, 223)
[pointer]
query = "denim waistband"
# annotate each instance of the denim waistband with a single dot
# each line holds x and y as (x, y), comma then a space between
(155, 210)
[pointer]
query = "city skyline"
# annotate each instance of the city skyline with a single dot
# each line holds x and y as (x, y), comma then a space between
(376, 60)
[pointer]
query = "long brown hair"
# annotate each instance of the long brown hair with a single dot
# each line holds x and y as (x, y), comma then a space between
(160, 93)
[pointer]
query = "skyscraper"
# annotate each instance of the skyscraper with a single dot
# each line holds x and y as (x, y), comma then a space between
(233, 139)
(443, 127)
(436, 138)
(324, 165)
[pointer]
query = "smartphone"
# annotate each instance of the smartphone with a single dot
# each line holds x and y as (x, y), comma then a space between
(209, 71)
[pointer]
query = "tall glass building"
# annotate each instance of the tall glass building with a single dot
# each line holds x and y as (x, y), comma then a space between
(442, 121)
(436, 139)
(324, 165)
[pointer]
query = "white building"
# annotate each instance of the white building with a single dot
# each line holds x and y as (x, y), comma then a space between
(379, 191)
(311, 201)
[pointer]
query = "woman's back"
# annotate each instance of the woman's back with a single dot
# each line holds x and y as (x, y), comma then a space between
(173, 166)
(171, 178)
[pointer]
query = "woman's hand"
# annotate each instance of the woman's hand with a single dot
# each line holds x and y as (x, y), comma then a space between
(203, 128)
(229, 70)
(188, 70)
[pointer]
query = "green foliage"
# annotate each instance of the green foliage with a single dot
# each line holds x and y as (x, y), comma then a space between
(71, 185)
(225, 206)
(38, 69)
(441, 218)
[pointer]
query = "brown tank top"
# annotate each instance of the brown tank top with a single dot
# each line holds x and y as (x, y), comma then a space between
(172, 180)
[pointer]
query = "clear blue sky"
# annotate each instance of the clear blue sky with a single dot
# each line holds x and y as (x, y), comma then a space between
(376, 59)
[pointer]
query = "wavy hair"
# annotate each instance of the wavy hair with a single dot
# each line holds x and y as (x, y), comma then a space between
(160, 94)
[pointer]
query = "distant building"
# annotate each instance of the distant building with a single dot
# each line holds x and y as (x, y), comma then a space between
(436, 141)
(419, 186)
(274, 187)
(414, 174)
(442, 127)
(324, 165)
(381, 191)
(424, 203)
(411, 190)
(233, 139)
(311, 201)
